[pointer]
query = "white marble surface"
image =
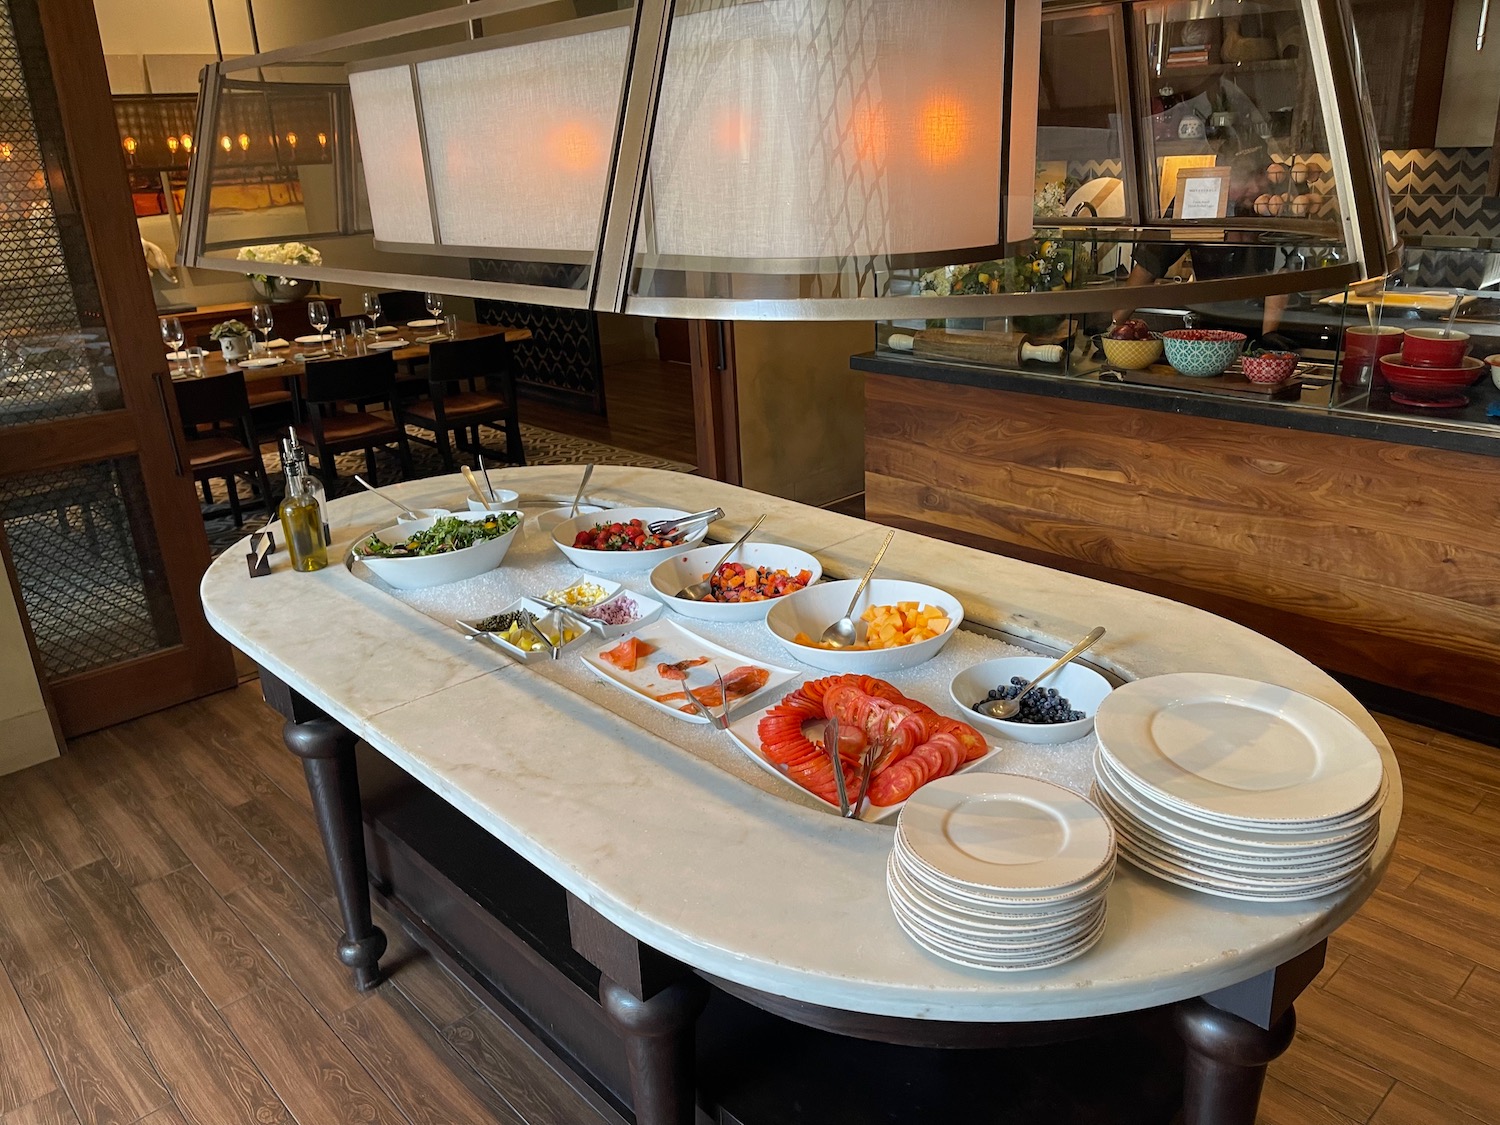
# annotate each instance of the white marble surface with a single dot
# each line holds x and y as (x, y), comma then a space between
(730, 877)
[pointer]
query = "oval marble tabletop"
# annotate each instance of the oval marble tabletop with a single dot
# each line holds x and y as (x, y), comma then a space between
(731, 878)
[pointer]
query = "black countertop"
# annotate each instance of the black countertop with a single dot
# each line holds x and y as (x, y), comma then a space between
(1366, 414)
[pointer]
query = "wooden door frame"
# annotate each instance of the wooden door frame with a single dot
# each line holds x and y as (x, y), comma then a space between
(716, 418)
(148, 429)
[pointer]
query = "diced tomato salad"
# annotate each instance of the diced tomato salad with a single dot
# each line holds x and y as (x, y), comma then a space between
(632, 536)
(736, 582)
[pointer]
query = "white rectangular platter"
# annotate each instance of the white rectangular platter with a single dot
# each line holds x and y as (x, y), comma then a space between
(671, 644)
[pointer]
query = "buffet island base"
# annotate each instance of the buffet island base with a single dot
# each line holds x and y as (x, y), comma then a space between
(679, 943)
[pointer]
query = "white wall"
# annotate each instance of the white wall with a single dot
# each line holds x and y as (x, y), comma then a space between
(26, 734)
(1471, 85)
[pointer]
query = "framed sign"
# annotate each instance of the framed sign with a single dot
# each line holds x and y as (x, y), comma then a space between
(1202, 193)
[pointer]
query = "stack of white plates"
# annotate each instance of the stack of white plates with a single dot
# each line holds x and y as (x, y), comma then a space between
(1237, 788)
(997, 871)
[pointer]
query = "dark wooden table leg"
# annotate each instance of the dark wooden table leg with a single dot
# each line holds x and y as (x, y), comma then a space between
(1226, 1062)
(327, 753)
(658, 1035)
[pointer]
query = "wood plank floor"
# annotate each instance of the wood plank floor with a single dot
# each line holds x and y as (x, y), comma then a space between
(166, 956)
(650, 411)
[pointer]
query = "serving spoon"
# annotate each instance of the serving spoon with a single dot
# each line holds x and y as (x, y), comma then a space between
(1005, 708)
(402, 508)
(588, 471)
(474, 486)
(841, 633)
(697, 591)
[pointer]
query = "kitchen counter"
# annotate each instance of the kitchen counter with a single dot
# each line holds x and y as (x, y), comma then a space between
(1360, 413)
(734, 880)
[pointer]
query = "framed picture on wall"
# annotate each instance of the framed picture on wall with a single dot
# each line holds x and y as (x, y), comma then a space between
(1202, 193)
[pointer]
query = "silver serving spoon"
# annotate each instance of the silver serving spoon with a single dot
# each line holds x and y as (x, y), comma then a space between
(698, 591)
(404, 510)
(588, 471)
(841, 633)
(485, 475)
(1005, 708)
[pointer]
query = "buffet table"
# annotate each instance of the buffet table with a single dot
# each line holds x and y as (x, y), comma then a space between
(678, 872)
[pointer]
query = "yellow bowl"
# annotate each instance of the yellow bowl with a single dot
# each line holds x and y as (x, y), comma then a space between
(1132, 355)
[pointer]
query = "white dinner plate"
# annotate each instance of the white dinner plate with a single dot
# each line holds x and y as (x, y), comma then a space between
(262, 361)
(389, 345)
(315, 339)
(1040, 945)
(1052, 910)
(1127, 819)
(1219, 890)
(1297, 830)
(425, 323)
(670, 644)
(1049, 899)
(746, 735)
(1171, 821)
(1005, 832)
(1001, 965)
(1270, 878)
(981, 921)
(1239, 748)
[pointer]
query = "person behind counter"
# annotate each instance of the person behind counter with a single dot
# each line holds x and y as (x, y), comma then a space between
(1151, 261)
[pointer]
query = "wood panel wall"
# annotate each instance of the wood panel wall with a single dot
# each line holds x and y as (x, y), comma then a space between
(1369, 558)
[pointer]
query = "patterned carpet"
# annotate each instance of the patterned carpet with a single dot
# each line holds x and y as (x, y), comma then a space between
(543, 447)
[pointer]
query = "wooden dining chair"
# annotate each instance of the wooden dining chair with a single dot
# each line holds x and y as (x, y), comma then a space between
(334, 396)
(483, 366)
(221, 442)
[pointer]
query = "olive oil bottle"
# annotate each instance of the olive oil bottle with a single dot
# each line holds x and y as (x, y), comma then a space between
(292, 450)
(302, 520)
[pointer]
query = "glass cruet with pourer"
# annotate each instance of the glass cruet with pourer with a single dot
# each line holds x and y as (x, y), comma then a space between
(302, 518)
(292, 450)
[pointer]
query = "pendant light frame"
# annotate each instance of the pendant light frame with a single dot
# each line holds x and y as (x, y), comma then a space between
(1369, 242)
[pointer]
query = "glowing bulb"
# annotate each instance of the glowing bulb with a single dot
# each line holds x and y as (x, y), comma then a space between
(5, 150)
(943, 129)
(733, 130)
(226, 144)
(322, 140)
(244, 142)
(187, 142)
(173, 145)
(291, 139)
(574, 147)
(129, 145)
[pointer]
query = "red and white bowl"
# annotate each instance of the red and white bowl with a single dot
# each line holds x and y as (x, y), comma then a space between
(1269, 367)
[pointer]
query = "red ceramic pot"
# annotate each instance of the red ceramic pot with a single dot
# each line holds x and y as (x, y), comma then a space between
(1429, 386)
(1431, 347)
(1363, 346)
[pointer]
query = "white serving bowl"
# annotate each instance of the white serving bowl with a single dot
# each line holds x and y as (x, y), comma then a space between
(812, 610)
(554, 516)
(686, 567)
(425, 516)
(437, 570)
(618, 562)
(1083, 687)
(504, 501)
(650, 609)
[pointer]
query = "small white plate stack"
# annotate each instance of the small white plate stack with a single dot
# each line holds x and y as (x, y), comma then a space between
(1237, 788)
(997, 871)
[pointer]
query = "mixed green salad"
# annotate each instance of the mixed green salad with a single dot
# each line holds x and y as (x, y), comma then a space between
(448, 534)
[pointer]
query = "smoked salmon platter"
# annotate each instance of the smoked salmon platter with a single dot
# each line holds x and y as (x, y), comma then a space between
(663, 661)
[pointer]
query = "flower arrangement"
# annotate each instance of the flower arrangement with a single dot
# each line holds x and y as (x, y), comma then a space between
(280, 253)
(229, 328)
(1051, 199)
(1048, 266)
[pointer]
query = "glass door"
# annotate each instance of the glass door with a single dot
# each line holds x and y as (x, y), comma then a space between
(96, 503)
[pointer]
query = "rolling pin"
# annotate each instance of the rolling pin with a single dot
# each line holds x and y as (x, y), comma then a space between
(984, 347)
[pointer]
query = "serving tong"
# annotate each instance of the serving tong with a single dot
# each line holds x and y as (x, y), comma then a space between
(666, 527)
(720, 721)
(867, 762)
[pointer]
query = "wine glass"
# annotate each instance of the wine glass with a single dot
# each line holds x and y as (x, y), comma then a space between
(372, 310)
(264, 321)
(434, 302)
(317, 316)
(172, 335)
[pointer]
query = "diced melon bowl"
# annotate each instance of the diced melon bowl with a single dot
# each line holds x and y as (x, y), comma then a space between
(898, 624)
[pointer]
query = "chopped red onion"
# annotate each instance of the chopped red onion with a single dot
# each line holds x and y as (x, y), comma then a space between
(617, 611)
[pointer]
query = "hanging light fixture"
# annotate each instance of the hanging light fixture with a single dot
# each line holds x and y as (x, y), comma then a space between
(786, 159)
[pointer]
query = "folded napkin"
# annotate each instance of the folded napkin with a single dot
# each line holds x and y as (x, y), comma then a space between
(303, 357)
(434, 338)
(279, 343)
(384, 328)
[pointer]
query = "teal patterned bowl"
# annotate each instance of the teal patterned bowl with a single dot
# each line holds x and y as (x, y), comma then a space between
(1202, 352)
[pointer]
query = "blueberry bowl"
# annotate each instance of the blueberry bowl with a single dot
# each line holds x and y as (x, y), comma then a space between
(1202, 352)
(1082, 687)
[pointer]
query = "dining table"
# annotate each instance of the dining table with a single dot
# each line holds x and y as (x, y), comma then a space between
(419, 341)
(678, 873)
